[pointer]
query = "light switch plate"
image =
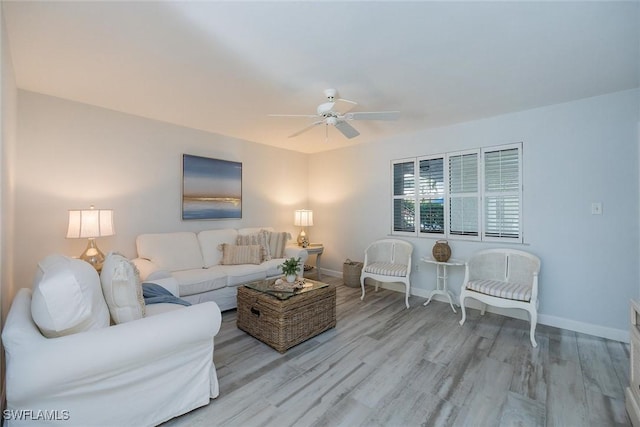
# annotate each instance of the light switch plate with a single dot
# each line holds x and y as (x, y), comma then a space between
(596, 208)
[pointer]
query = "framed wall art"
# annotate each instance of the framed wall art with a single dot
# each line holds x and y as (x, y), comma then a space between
(211, 188)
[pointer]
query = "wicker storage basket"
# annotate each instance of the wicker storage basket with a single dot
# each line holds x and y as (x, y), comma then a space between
(351, 271)
(282, 324)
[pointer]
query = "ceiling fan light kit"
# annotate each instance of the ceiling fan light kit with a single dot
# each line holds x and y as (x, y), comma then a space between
(336, 112)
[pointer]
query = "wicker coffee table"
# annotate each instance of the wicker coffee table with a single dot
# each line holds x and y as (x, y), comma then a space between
(285, 319)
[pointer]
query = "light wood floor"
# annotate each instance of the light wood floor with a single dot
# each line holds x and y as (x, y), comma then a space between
(384, 365)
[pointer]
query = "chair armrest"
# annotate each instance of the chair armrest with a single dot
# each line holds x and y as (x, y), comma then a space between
(42, 366)
(534, 287)
(145, 267)
(296, 252)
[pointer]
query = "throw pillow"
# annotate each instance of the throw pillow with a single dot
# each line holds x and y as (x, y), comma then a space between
(259, 238)
(277, 243)
(67, 297)
(122, 289)
(245, 254)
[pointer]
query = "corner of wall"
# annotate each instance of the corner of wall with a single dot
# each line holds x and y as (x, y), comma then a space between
(8, 126)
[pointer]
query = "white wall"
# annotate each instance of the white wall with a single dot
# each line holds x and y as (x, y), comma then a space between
(574, 154)
(8, 108)
(72, 155)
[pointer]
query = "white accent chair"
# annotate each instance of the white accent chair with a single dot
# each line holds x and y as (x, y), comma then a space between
(138, 373)
(388, 260)
(506, 278)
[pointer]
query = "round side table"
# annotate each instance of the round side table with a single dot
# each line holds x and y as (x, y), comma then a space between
(441, 278)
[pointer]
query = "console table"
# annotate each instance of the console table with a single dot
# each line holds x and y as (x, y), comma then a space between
(441, 278)
(316, 249)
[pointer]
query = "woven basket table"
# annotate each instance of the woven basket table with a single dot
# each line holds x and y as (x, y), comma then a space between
(283, 321)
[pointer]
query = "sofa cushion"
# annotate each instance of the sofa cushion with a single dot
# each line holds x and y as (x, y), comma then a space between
(121, 289)
(260, 238)
(171, 251)
(236, 255)
(192, 282)
(67, 297)
(272, 267)
(277, 243)
(241, 274)
(210, 240)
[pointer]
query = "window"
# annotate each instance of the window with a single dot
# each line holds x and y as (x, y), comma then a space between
(473, 194)
(404, 205)
(502, 193)
(431, 195)
(463, 194)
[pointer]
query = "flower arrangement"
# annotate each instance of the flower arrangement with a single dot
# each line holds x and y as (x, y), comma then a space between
(291, 266)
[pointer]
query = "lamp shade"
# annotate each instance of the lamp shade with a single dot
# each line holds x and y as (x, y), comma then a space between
(303, 218)
(90, 223)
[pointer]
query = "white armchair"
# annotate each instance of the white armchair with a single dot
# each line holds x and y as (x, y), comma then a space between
(140, 373)
(505, 278)
(388, 260)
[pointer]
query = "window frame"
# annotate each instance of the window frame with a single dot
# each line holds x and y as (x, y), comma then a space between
(419, 195)
(395, 197)
(477, 194)
(520, 191)
(480, 196)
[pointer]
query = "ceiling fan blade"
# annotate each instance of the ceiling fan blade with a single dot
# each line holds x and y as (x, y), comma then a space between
(344, 105)
(307, 128)
(373, 115)
(293, 115)
(346, 129)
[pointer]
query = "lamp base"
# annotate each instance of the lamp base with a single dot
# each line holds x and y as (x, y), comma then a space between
(93, 255)
(302, 239)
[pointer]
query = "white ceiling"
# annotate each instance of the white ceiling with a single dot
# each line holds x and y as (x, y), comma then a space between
(223, 66)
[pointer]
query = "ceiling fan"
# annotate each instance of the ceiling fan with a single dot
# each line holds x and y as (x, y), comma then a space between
(336, 112)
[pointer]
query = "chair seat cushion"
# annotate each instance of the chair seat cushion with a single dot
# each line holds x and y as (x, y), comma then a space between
(506, 290)
(387, 269)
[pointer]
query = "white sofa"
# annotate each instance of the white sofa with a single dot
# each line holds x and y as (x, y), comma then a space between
(139, 373)
(194, 260)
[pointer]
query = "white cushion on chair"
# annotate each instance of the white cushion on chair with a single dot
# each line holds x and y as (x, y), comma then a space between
(122, 289)
(387, 269)
(513, 291)
(67, 297)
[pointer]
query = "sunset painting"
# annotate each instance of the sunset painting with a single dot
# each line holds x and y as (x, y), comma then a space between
(211, 188)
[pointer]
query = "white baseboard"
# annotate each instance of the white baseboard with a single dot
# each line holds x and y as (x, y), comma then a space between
(543, 319)
(585, 328)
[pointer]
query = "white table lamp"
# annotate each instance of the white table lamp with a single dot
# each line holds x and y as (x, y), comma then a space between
(89, 224)
(303, 218)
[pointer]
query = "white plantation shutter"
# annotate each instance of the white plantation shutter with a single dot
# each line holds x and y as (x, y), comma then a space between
(404, 192)
(502, 193)
(431, 195)
(470, 195)
(464, 194)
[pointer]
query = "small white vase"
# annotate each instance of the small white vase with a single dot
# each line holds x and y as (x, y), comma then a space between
(291, 278)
